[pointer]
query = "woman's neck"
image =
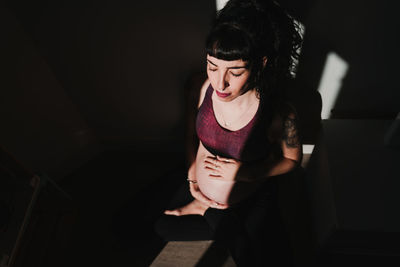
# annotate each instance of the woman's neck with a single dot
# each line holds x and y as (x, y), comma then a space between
(233, 115)
(243, 101)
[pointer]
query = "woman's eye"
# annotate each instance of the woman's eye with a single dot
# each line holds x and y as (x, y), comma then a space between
(210, 69)
(236, 75)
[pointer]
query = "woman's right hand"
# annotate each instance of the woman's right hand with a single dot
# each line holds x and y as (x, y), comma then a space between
(194, 187)
(197, 194)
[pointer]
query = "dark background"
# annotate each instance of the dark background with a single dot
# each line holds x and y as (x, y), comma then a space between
(81, 77)
(88, 85)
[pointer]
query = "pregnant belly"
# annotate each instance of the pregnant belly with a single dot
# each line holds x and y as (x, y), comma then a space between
(221, 191)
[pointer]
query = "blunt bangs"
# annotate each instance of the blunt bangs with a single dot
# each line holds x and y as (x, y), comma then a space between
(228, 43)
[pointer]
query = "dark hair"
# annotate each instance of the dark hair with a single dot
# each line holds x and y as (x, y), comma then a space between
(252, 30)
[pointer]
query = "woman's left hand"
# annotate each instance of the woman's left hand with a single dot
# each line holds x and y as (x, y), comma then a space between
(222, 168)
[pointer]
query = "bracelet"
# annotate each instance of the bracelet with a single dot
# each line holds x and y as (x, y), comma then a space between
(191, 181)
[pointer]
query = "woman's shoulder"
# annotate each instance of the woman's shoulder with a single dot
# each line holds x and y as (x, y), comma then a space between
(281, 112)
(283, 109)
(203, 91)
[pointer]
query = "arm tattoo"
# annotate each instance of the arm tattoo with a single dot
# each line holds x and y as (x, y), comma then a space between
(291, 135)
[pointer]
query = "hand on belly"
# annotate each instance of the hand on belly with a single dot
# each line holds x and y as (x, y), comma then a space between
(214, 188)
(216, 178)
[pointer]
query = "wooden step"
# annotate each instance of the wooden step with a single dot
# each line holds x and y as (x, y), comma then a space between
(191, 253)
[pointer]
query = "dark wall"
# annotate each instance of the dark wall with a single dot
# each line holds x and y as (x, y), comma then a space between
(88, 75)
(120, 67)
(122, 62)
(365, 35)
(40, 126)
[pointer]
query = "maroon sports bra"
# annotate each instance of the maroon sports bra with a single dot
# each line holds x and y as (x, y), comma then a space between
(246, 144)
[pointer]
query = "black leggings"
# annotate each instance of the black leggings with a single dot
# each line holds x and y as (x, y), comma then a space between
(251, 230)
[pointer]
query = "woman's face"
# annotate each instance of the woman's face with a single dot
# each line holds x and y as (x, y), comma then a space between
(227, 77)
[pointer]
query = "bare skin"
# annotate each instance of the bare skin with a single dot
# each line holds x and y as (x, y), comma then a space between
(194, 207)
(201, 202)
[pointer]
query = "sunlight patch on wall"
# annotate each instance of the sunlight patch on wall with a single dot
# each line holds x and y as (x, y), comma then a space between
(331, 82)
(220, 4)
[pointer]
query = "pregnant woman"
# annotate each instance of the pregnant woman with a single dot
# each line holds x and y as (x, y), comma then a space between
(248, 137)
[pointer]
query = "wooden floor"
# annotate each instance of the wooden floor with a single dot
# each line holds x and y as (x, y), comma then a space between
(192, 253)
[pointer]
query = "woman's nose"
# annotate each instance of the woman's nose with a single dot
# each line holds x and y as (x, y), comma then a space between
(222, 83)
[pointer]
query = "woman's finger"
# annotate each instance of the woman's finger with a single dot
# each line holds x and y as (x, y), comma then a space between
(212, 161)
(222, 207)
(218, 177)
(215, 168)
(205, 201)
(176, 212)
(219, 206)
(212, 171)
(226, 160)
(210, 165)
(215, 173)
(200, 196)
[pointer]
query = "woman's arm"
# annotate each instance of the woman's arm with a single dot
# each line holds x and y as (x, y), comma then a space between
(291, 148)
(194, 93)
(291, 154)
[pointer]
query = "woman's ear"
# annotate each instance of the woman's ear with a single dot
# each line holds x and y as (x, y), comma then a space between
(265, 61)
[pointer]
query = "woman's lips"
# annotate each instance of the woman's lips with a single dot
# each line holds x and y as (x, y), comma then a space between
(223, 95)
